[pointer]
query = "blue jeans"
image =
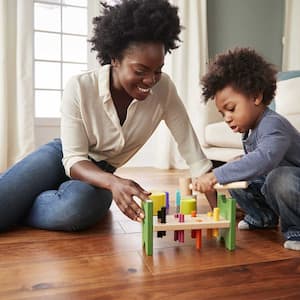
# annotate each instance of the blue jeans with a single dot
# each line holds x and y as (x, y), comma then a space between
(276, 195)
(36, 192)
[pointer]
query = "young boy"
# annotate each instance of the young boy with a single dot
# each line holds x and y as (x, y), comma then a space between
(243, 84)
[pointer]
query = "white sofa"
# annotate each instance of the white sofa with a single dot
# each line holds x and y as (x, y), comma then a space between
(221, 144)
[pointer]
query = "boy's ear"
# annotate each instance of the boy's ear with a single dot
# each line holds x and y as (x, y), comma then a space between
(258, 99)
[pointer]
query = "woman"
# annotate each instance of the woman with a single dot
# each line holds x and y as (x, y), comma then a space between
(107, 116)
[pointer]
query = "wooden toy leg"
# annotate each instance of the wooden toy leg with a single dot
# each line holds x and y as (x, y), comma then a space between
(147, 230)
(227, 210)
(198, 238)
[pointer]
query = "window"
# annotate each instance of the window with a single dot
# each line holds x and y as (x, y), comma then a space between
(60, 50)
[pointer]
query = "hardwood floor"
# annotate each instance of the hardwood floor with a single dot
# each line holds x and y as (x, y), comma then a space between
(107, 261)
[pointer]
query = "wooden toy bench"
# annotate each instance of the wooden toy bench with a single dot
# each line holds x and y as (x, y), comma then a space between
(221, 223)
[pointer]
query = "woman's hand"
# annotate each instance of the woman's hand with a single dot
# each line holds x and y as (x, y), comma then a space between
(124, 191)
(205, 183)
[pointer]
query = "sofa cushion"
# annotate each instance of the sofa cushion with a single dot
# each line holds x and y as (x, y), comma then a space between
(287, 97)
(220, 135)
(222, 154)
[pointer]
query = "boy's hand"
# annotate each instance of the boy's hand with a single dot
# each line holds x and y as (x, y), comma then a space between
(205, 183)
(212, 198)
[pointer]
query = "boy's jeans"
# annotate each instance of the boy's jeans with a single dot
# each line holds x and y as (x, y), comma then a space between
(278, 195)
(36, 191)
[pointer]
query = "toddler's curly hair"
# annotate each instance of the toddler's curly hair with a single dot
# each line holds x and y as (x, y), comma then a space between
(134, 21)
(244, 70)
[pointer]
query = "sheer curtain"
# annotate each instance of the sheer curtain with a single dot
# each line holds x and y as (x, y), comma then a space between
(291, 46)
(16, 98)
(185, 66)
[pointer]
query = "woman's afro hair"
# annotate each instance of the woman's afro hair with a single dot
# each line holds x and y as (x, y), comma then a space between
(134, 21)
(242, 69)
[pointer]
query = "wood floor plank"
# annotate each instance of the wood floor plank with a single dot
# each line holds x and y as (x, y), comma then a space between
(96, 279)
(108, 262)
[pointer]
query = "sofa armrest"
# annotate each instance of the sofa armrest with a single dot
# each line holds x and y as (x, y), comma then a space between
(287, 96)
(208, 115)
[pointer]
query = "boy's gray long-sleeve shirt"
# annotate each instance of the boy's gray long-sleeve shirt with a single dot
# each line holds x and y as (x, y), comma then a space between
(274, 142)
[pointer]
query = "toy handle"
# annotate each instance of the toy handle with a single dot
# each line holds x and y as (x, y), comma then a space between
(232, 185)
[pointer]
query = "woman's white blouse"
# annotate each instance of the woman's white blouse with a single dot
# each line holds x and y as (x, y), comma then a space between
(90, 127)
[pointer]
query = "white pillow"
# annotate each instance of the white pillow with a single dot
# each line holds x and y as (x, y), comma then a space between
(294, 120)
(288, 97)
